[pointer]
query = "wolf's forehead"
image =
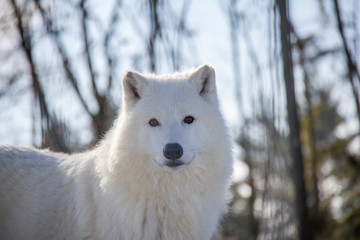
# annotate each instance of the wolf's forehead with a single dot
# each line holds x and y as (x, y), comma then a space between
(175, 95)
(171, 89)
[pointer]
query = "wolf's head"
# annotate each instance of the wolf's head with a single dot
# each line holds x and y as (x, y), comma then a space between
(172, 120)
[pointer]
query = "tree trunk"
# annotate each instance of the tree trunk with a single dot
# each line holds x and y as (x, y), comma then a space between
(295, 144)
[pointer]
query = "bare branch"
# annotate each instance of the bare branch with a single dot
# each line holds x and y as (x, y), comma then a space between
(26, 46)
(352, 67)
(111, 59)
(65, 60)
(84, 26)
(155, 32)
(47, 124)
(351, 61)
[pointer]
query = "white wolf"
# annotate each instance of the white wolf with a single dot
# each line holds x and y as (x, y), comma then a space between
(160, 173)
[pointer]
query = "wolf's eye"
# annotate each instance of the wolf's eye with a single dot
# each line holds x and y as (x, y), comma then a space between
(153, 122)
(188, 119)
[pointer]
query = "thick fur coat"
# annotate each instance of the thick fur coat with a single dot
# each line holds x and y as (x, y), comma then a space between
(132, 185)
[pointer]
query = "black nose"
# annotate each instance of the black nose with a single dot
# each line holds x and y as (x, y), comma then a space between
(173, 151)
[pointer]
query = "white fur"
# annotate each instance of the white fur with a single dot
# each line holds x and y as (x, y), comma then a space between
(123, 188)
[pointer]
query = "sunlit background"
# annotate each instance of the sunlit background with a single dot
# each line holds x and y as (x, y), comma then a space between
(61, 64)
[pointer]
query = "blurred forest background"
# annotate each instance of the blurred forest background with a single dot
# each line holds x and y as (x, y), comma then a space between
(288, 76)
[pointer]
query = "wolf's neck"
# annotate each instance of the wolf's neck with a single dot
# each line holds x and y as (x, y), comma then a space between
(168, 206)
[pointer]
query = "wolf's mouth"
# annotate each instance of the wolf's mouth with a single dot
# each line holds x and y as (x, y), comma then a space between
(174, 163)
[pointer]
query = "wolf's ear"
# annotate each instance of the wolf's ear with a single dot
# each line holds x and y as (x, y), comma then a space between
(204, 80)
(133, 85)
